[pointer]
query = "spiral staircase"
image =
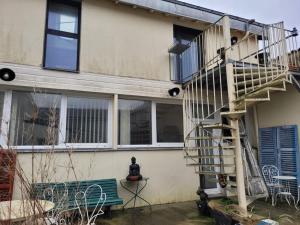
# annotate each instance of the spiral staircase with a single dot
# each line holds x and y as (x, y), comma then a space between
(218, 94)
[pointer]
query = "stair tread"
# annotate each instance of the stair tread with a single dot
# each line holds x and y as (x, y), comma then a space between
(214, 173)
(209, 138)
(217, 126)
(210, 147)
(208, 156)
(216, 165)
(268, 84)
(234, 114)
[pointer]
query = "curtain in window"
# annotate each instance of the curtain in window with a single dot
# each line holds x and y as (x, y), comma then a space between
(34, 119)
(134, 122)
(87, 120)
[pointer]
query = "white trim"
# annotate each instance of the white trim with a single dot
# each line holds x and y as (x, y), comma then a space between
(4, 136)
(63, 120)
(110, 130)
(153, 123)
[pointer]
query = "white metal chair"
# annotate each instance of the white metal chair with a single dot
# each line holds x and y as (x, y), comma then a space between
(269, 171)
(81, 199)
(60, 197)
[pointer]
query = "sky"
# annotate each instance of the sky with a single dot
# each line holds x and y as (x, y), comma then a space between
(264, 11)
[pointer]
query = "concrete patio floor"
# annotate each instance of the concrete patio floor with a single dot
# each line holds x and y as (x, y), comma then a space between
(287, 213)
(185, 213)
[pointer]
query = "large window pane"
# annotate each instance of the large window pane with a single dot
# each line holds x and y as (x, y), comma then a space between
(63, 17)
(87, 120)
(134, 122)
(34, 119)
(61, 52)
(1, 107)
(169, 123)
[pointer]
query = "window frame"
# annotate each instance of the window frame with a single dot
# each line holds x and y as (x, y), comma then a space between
(63, 34)
(154, 144)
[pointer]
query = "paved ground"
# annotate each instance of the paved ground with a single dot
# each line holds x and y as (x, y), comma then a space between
(187, 214)
(282, 212)
(170, 214)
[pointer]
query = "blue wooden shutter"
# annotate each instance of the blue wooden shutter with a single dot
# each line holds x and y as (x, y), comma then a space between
(268, 150)
(288, 157)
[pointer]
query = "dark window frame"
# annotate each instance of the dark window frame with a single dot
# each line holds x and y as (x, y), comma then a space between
(58, 33)
(179, 33)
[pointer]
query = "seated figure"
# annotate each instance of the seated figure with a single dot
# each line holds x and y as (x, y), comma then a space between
(134, 171)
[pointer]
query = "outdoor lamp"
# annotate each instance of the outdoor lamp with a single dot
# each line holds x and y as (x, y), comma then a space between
(234, 40)
(294, 32)
(7, 74)
(174, 92)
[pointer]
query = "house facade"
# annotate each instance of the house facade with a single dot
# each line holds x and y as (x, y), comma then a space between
(92, 83)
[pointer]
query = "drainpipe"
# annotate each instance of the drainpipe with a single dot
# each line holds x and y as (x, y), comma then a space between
(241, 193)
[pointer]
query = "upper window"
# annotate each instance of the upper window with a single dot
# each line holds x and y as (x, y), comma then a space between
(1, 107)
(62, 35)
(34, 119)
(188, 62)
(87, 120)
(169, 123)
(135, 122)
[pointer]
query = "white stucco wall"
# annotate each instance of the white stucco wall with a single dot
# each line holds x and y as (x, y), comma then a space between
(170, 180)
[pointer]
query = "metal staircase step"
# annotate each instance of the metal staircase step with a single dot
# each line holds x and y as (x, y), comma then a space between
(210, 148)
(256, 81)
(216, 126)
(221, 138)
(211, 165)
(234, 114)
(268, 84)
(207, 156)
(214, 173)
(249, 69)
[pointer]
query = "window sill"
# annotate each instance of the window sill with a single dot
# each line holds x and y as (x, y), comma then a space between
(60, 70)
(63, 149)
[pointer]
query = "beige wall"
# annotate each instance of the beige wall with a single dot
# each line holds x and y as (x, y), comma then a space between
(170, 180)
(22, 26)
(283, 109)
(115, 39)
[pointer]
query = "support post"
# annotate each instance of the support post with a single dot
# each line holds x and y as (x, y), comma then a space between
(241, 193)
(115, 122)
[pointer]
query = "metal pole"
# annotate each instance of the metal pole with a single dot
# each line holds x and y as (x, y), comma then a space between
(241, 193)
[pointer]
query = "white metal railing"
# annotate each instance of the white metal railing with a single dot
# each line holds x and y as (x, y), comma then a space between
(263, 57)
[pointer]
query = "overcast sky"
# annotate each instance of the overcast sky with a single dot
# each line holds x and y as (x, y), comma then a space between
(264, 11)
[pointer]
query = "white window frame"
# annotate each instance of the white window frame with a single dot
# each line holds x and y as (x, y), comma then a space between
(4, 135)
(86, 145)
(154, 144)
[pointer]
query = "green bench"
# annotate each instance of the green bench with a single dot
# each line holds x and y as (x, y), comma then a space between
(109, 187)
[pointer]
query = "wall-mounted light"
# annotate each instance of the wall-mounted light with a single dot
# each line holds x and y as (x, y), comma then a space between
(174, 92)
(294, 32)
(234, 40)
(7, 74)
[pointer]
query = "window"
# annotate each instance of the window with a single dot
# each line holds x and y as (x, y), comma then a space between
(1, 107)
(34, 119)
(135, 122)
(62, 35)
(187, 63)
(169, 123)
(87, 120)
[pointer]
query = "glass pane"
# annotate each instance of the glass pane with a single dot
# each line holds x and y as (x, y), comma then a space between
(61, 52)
(34, 119)
(87, 120)
(63, 17)
(169, 123)
(134, 122)
(1, 107)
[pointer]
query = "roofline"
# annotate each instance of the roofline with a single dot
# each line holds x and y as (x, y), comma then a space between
(214, 12)
(194, 12)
